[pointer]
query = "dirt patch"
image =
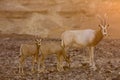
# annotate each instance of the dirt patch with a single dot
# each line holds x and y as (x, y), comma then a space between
(107, 58)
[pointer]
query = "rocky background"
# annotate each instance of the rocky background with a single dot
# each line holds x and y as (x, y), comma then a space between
(48, 18)
(19, 19)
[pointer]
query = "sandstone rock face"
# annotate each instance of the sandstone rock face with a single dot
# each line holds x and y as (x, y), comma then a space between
(49, 18)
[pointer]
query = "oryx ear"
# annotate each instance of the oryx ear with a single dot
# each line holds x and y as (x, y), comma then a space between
(100, 25)
(36, 40)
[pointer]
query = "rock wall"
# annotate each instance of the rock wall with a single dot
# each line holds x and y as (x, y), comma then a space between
(48, 18)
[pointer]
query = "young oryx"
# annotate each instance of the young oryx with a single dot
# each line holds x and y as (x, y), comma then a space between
(49, 48)
(29, 50)
(85, 38)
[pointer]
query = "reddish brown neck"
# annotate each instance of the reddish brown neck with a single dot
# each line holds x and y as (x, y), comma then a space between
(38, 47)
(98, 37)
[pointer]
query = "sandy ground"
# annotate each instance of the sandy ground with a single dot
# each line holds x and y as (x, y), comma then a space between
(107, 58)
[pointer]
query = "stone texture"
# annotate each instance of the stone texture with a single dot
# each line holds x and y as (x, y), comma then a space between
(48, 18)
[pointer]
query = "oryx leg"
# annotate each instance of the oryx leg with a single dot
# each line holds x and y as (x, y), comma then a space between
(92, 62)
(59, 62)
(21, 62)
(66, 57)
(41, 63)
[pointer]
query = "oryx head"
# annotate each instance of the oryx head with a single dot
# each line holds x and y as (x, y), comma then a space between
(38, 41)
(103, 25)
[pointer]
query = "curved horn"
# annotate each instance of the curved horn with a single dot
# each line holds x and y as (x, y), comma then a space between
(105, 16)
(101, 19)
